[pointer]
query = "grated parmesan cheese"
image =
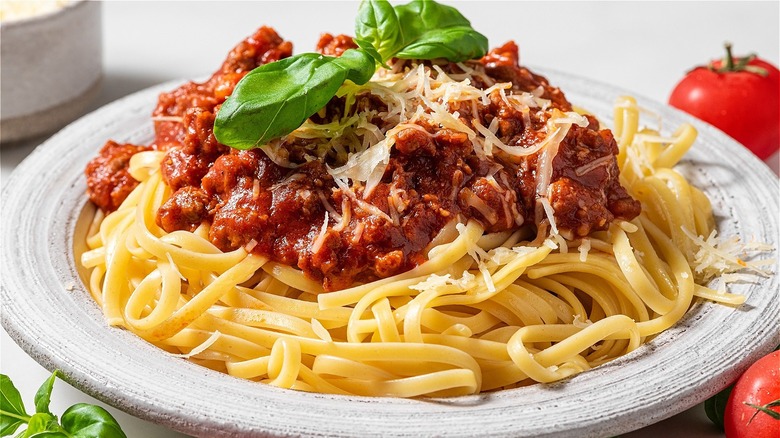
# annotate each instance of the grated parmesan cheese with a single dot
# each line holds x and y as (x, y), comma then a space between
(479, 256)
(358, 232)
(563, 247)
(725, 257)
(593, 165)
(359, 145)
(320, 240)
(345, 218)
(549, 213)
(558, 125)
(329, 207)
(434, 281)
(501, 255)
(474, 201)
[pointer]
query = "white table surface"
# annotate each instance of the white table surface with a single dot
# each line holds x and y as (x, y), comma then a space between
(645, 47)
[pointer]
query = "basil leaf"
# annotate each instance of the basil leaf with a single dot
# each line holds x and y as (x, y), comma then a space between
(358, 64)
(43, 424)
(12, 413)
(43, 396)
(421, 29)
(432, 30)
(89, 421)
(275, 99)
(46, 434)
(420, 16)
(715, 406)
(455, 44)
(371, 50)
(377, 24)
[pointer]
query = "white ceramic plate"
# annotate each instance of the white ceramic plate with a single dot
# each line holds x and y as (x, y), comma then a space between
(48, 311)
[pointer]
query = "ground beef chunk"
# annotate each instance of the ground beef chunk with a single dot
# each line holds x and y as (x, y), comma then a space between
(585, 190)
(410, 140)
(335, 45)
(262, 47)
(108, 179)
(503, 64)
(187, 164)
(180, 169)
(298, 215)
(184, 120)
(184, 210)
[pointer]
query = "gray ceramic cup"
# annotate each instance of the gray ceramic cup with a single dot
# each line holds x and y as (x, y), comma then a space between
(51, 67)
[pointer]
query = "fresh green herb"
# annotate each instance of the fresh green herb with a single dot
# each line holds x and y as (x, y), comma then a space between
(79, 421)
(12, 413)
(275, 99)
(85, 420)
(434, 31)
(377, 29)
(715, 406)
(417, 30)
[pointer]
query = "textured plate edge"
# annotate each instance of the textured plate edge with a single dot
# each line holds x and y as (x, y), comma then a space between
(558, 79)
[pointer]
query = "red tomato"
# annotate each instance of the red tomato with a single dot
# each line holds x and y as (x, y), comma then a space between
(735, 97)
(759, 386)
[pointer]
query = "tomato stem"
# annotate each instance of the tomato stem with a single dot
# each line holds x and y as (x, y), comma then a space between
(729, 64)
(765, 409)
(729, 61)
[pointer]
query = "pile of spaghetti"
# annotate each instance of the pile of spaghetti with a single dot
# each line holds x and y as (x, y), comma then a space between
(444, 229)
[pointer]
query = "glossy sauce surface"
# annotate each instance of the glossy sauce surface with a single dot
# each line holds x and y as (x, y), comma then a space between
(433, 176)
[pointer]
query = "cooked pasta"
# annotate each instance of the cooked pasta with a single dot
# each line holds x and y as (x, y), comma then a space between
(486, 311)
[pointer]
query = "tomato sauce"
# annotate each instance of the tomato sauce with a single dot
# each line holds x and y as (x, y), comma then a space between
(433, 177)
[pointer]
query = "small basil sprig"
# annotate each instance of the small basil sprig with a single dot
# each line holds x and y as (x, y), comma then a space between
(79, 421)
(276, 98)
(377, 30)
(418, 30)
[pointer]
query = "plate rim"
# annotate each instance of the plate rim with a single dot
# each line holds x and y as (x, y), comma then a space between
(177, 416)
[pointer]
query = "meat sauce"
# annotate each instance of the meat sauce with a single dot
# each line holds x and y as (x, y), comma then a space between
(433, 176)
